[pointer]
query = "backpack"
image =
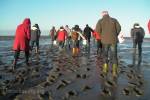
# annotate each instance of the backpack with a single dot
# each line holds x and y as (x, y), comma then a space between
(74, 35)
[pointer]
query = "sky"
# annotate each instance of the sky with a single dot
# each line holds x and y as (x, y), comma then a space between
(48, 13)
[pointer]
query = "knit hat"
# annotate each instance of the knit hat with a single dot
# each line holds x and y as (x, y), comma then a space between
(104, 13)
(136, 25)
(76, 27)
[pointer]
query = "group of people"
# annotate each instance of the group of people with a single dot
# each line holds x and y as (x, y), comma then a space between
(71, 37)
(106, 33)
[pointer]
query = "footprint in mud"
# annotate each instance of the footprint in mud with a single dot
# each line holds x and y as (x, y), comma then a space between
(103, 76)
(85, 88)
(88, 69)
(45, 84)
(63, 83)
(66, 82)
(50, 79)
(126, 91)
(106, 92)
(138, 92)
(19, 79)
(60, 86)
(57, 69)
(83, 76)
(110, 83)
(69, 94)
(46, 96)
(71, 70)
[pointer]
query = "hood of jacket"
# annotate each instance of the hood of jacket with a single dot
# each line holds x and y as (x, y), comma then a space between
(26, 21)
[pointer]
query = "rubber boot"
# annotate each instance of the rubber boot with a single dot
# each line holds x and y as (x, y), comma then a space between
(105, 68)
(114, 70)
(77, 51)
(73, 51)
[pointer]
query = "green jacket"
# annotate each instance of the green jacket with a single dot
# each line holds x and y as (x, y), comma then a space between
(108, 28)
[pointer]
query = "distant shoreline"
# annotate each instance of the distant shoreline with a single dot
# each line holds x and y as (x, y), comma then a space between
(42, 37)
(12, 37)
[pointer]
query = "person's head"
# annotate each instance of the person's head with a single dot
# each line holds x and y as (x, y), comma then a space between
(76, 27)
(136, 25)
(87, 25)
(36, 25)
(61, 27)
(27, 21)
(104, 13)
(53, 27)
(67, 26)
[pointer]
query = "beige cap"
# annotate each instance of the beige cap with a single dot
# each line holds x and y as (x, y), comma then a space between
(104, 13)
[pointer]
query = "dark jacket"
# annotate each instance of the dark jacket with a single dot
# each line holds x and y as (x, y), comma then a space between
(87, 32)
(137, 34)
(109, 28)
(35, 33)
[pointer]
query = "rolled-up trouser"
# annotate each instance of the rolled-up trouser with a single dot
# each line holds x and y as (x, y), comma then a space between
(112, 48)
(17, 53)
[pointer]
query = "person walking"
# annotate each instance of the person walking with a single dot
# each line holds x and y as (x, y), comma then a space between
(76, 35)
(61, 37)
(109, 28)
(87, 33)
(21, 41)
(98, 39)
(53, 34)
(35, 35)
(137, 34)
(68, 30)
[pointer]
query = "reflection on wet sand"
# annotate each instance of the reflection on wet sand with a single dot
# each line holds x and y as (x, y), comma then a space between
(56, 75)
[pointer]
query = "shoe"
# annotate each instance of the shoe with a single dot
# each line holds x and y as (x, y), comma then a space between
(106, 92)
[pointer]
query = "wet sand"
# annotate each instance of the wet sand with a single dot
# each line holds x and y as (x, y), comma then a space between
(56, 75)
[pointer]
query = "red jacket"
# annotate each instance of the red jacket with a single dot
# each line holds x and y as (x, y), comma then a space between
(149, 26)
(22, 36)
(61, 35)
(96, 35)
